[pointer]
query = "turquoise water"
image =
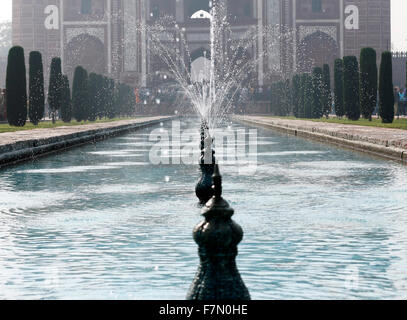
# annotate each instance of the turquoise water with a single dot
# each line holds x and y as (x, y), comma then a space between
(101, 222)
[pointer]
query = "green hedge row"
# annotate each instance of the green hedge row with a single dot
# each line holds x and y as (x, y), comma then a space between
(355, 91)
(93, 96)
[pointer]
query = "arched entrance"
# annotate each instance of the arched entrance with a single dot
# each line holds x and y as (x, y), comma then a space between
(192, 6)
(86, 51)
(200, 65)
(315, 50)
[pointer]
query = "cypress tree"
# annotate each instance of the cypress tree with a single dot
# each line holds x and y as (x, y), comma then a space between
(368, 82)
(120, 99)
(296, 93)
(55, 87)
(279, 102)
(66, 107)
(326, 94)
(131, 99)
(386, 94)
(112, 99)
(36, 88)
(80, 94)
(288, 98)
(351, 87)
(282, 100)
(301, 111)
(317, 85)
(273, 99)
(101, 97)
(308, 97)
(338, 90)
(16, 87)
(93, 97)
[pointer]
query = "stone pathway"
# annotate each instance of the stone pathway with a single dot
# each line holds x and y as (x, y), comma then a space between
(7, 138)
(27, 144)
(391, 143)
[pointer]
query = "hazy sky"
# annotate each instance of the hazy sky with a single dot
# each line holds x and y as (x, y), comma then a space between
(399, 21)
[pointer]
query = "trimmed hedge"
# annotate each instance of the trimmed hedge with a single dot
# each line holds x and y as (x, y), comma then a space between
(351, 87)
(326, 91)
(338, 88)
(386, 94)
(368, 82)
(36, 88)
(317, 85)
(308, 96)
(296, 94)
(55, 87)
(66, 106)
(16, 87)
(80, 98)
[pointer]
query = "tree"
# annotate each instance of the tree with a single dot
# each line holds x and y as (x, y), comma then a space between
(326, 91)
(121, 98)
(279, 101)
(55, 87)
(301, 111)
(101, 97)
(80, 94)
(368, 82)
(317, 108)
(386, 94)
(36, 88)
(66, 106)
(351, 87)
(296, 93)
(112, 99)
(338, 90)
(93, 92)
(287, 97)
(308, 97)
(16, 87)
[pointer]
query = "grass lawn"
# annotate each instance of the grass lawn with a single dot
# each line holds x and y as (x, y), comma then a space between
(397, 123)
(49, 124)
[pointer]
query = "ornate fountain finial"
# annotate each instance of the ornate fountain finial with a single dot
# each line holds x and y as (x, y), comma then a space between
(207, 160)
(217, 237)
(217, 182)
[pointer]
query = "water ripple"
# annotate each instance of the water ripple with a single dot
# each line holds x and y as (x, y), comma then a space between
(319, 223)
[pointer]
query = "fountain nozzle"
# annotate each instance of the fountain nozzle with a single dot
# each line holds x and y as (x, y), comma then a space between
(204, 190)
(218, 236)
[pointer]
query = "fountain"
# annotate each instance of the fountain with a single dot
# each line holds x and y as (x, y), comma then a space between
(100, 231)
(203, 189)
(229, 69)
(218, 236)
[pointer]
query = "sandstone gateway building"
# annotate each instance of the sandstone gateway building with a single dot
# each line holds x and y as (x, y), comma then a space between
(101, 35)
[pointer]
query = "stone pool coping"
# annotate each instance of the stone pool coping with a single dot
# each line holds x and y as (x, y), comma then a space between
(383, 142)
(25, 145)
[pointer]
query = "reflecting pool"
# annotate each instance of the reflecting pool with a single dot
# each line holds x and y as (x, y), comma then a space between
(102, 222)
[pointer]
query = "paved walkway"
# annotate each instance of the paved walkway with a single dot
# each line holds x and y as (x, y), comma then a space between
(46, 133)
(26, 144)
(390, 143)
